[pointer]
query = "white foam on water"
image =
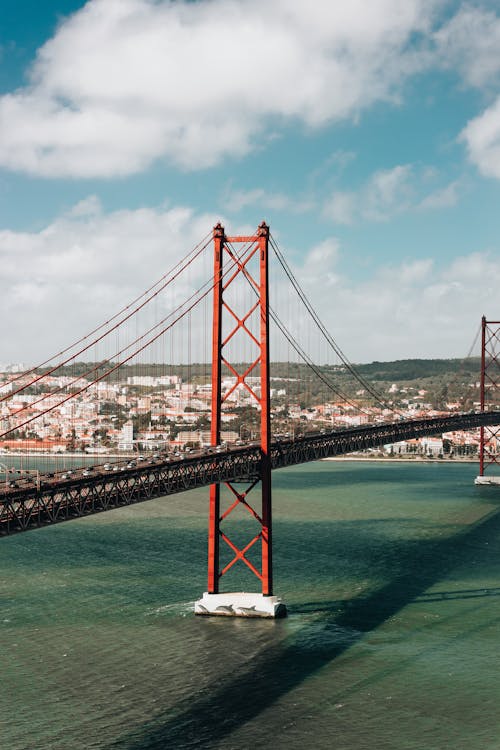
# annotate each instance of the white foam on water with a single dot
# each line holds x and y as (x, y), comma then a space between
(181, 608)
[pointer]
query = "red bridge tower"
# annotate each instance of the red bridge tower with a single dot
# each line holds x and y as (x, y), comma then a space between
(247, 316)
(489, 453)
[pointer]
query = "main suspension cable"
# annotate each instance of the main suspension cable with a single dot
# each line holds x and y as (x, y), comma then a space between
(196, 296)
(294, 343)
(170, 276)
(307, 360)
(331, 341)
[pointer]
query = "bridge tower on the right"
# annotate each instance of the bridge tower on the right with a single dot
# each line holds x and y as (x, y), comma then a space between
(489, 448)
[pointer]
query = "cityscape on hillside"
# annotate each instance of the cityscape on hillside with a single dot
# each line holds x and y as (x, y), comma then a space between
(153, 411)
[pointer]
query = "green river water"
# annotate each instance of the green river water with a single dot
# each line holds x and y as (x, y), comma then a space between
(391, 572)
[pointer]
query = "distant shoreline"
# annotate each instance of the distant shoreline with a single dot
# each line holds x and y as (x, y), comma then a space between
(43, 454)
(406, 459)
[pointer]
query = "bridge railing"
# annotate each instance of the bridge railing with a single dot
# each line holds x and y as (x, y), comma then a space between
(336, 443)
(59, 499)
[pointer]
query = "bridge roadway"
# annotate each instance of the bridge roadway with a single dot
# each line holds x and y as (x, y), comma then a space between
(61, 498)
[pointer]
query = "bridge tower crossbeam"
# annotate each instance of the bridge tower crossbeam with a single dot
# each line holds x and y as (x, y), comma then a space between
(230, 304)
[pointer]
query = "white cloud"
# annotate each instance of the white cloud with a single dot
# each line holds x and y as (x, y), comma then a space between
(236, 200)
(325, 252)
(90, 206)
(78, 271)
(389, 192)
(321, 261)
(482, 138)
(444, 197)
(469, 43)
(414, 309)
(125, 82)
(341, 207)
(386, 193)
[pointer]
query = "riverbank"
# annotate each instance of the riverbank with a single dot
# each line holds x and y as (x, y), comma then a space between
(56, 456)
(404, 459)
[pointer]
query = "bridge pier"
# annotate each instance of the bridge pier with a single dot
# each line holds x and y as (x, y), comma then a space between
(240, 604)
(488, 480)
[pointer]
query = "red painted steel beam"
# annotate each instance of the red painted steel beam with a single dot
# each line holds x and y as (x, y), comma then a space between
(490, 378)
(483, 376)
(214, 501)
(257, 248)
(265, 414)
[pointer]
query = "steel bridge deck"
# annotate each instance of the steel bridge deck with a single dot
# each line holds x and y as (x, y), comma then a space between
(60, 499)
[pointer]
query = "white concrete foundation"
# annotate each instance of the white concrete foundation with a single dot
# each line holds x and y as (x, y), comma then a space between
(488, 480)
(240, 604)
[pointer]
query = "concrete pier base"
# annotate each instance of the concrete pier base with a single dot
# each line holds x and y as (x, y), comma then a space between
(488, 480)
(240, 604)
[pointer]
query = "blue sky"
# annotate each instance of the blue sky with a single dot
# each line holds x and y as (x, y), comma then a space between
(367, 134)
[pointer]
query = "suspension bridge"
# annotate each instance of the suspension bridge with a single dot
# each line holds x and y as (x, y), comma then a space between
(222, 304)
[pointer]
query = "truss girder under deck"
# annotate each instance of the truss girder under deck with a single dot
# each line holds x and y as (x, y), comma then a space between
(27, 508)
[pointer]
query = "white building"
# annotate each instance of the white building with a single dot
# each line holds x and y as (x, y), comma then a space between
(126, 439)
(150, 381)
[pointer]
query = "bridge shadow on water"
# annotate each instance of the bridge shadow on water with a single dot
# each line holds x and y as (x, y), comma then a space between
(320, 475)
(226, 704)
